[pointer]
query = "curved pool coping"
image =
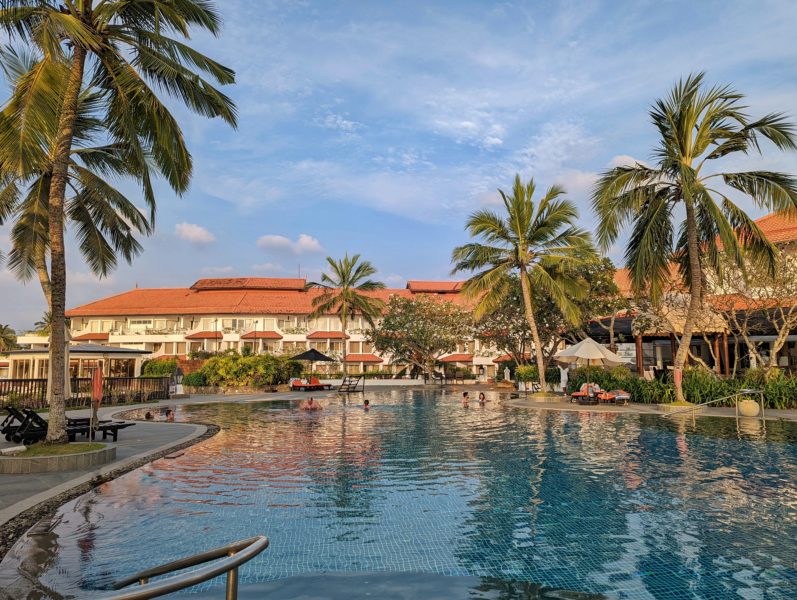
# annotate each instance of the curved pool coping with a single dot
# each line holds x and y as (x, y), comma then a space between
(18, 518)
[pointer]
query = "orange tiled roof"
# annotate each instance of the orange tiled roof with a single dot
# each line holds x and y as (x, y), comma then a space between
(187, 301)
(261, 335)
(205, 335)
(364, 358)
(457, 358)
(326, 335)
(779, 227)
(507, 358)
(250, 283)
(434, 287)
(91, 337)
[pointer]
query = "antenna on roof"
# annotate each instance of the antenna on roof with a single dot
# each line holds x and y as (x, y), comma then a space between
(299, 270)
(136, 284)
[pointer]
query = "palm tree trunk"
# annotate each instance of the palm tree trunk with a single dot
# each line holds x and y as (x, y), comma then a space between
(343, 328)
(56, 430)
(40, 259)
(695, 300)
(535, 333)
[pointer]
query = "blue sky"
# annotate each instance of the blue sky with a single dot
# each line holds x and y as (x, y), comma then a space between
(376, 127)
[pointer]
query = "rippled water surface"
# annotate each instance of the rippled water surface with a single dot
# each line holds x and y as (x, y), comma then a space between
(618, 505)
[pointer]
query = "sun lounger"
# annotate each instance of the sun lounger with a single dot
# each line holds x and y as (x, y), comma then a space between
(12, 422)
(317, 385)
(621, 396)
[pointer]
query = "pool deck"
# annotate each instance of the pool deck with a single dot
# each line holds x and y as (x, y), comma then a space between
(138, 444)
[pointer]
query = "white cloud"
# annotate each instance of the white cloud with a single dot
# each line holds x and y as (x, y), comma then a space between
(339, 123)
(623, 160)
(395, 281)
(196, 234)
(304, 244)
(218, 270)
(268, 267)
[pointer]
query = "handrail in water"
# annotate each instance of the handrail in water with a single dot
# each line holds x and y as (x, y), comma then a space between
(236, 554)
(744, 392)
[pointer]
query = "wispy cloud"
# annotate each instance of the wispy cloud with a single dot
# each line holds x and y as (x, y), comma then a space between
(196, 234)
(226, 270)
(268, 268)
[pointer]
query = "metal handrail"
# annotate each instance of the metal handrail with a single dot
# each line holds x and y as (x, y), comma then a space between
(696, 406)
(237, 554)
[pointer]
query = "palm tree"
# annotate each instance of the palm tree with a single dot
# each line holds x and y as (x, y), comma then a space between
(45, 323)
(346, 289)
(106, 220)
(538, 242)
(125, 47)
(8, 338)
(697, 125)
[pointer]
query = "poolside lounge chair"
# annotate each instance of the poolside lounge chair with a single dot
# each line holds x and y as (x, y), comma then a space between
(587, 394)
(317, 385)
(621, 396)
(12, 422)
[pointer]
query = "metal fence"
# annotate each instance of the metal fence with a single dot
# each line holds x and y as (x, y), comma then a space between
(32, 393)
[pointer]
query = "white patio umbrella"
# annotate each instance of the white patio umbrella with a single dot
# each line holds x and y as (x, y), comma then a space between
(588, 352)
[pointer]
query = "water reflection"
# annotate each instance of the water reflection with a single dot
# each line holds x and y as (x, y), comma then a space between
(529, 501)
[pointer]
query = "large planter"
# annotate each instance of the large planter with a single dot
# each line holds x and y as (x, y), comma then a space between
(50, 464)
(749, 408)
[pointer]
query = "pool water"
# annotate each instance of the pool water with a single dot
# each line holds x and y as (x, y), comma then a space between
(421, 498)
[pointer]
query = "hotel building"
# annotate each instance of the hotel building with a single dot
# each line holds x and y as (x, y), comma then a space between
(250, 314)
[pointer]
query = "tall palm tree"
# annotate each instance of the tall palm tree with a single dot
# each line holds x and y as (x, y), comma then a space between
(105, 219)
(697, 126)
(125, 48)
(346, 287)
(8, 338)
(537, 241)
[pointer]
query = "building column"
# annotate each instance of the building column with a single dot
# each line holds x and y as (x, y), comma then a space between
(716, 352)
(640, 357)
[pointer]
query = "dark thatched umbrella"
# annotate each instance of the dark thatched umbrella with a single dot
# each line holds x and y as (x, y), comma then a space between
(313, 355)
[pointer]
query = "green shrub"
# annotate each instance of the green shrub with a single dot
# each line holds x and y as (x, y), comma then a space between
(200, 354)
(159, 367)
(195, 379)
(232, 369)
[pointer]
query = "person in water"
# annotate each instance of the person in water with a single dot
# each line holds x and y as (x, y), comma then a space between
(170, 415)
(366, 404)
(149, 416)
(465, 399)
(482, 398)
(311, 404)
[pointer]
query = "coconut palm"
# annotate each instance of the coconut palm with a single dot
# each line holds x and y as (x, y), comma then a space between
(346, 290)
(126, 49)
(537, 241)
(697, 125)
(8, 338)
(105, 220)
(43, 325)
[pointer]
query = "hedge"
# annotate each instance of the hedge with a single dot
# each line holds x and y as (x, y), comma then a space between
(700, 385)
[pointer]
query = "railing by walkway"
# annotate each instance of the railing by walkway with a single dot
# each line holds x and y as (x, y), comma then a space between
(236, 554)
(32, 393)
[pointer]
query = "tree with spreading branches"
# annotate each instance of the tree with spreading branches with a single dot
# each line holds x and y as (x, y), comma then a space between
(537, 241)
(681, 209)
(346, 292)
(127, 51)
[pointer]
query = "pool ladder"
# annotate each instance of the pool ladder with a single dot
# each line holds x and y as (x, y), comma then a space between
(236, 554)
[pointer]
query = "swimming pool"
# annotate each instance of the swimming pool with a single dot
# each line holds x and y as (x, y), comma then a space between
(423, 496)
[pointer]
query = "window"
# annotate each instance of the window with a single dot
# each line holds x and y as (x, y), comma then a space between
(87, 366)
(122, 367)
(320, 346)
(22, 368)
(336, 347)
(140, 323)
(235, 324)
(41, 369)
(355, 347)
(368, 347)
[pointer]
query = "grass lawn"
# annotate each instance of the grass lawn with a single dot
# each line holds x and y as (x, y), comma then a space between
(59, 449)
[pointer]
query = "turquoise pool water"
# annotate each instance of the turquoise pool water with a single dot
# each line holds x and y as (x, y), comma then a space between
(423, 496)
